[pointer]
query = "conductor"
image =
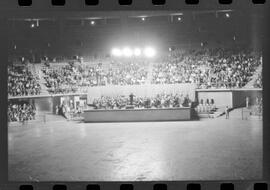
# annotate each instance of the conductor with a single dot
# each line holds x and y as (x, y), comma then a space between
(131, 96)
(227, 112)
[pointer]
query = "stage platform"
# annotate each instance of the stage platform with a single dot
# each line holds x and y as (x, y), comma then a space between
(129, 115)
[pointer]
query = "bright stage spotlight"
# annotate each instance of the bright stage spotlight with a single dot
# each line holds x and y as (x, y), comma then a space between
(149, 52)
(116, 52)
(137, 52)
(127, 52)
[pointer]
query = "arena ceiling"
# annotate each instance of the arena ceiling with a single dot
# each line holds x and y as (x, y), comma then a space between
(120, 14)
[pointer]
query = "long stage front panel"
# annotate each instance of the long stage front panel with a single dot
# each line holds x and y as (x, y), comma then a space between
(136, 115)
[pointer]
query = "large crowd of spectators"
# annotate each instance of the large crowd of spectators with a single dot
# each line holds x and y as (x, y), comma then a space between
(159, 101)
(21, 112)
(130, 73)
(21, 82)
(209, 68)
(63, 80)
(258, 82)
(71, 77)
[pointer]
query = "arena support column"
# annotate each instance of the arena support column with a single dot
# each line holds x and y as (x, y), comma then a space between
(3, 98)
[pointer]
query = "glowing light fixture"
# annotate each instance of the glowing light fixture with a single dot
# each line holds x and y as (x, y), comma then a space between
(127, 52)
(137, 52)
(149, 52)
(116, 52)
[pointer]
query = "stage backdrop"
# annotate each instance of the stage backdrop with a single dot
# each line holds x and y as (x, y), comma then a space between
(148, 90)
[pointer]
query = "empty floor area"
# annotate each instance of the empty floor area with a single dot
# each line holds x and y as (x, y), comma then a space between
(209, 149)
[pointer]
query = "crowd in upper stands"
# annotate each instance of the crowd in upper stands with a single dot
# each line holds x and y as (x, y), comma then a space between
(159, 101)
(72, 77)
(125, 73)
(21, 82)
(21, 112)
(63, 80)
(209, 68)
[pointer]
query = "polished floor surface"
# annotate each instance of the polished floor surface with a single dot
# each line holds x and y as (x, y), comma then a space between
(212, 149)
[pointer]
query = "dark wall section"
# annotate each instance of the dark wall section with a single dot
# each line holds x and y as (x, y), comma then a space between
(44, 104)
(239, 97)
(56, 102)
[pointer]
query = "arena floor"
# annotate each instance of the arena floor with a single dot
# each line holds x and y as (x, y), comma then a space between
(211, 149)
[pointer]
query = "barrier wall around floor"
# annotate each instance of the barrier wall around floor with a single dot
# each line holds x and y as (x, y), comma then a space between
(239, 97)
(222, 98)
(128, 115)
(233, 98)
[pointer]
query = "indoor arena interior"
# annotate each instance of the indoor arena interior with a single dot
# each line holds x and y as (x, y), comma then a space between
(135, 96)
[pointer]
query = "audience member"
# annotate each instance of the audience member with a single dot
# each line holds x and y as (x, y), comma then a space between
(21, 112)
(21, 82)
(209, 68)
(258, 82)
(72, 78)
(159, 101)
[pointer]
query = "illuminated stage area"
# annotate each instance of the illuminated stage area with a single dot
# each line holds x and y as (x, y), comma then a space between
(210, 149)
